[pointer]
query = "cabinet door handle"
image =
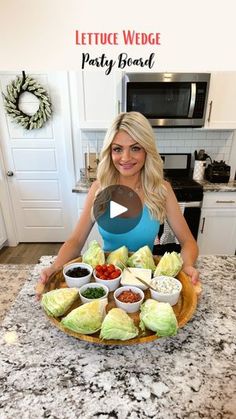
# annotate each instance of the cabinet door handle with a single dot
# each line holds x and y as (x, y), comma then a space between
(225, 202)
(210, 109)
(203, 224)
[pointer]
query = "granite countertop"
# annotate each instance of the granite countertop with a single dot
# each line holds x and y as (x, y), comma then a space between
(47, 374)
(81, 187)
(218, 187)
(207, 187)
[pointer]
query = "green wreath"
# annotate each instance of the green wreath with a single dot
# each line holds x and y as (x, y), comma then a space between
(11, 102)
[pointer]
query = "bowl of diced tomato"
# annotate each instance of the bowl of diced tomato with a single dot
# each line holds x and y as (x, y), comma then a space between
(108, 274)
(129, 298)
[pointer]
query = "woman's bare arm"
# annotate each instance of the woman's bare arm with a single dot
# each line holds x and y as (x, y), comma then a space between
(177, 222)
(73, 246)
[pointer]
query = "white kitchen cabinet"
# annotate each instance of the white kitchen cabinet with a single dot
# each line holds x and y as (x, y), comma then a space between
(3, 234)
(99, 98)
(217, 230)
(221, 110)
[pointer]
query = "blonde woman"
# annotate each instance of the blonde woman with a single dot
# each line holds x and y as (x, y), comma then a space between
(129, 157)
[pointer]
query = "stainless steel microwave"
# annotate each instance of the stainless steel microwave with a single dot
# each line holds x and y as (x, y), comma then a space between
(167, 99)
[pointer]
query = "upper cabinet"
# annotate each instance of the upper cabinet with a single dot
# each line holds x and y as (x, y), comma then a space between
(221, 111)
(99, 98)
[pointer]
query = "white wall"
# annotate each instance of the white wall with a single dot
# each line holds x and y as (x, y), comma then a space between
(219, 144)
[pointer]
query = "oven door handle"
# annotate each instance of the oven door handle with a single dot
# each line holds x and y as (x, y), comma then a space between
(194, 204)
(192, 100)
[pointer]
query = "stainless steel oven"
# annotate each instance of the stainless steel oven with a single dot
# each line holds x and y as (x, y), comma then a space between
(189, 193)
(167, 99)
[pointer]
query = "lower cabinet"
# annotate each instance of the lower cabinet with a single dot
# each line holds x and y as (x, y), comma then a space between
(217, 230)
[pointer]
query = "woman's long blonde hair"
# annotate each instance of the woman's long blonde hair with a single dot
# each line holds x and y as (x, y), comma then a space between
(138, 127)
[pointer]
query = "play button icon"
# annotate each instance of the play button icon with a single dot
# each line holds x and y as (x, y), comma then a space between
(117, 209)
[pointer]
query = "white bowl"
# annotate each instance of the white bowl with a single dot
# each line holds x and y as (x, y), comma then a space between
(129, 307)
(78, 281)
(111, 284)
(163, 295)
(92, 285)
(128, 279)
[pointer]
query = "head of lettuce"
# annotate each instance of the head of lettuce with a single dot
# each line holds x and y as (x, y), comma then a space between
(143, 258)
(118, 325)
(86, 319)
(94, 255)
(117, 256)
(169, 265)
(158, 317)
(58, 301)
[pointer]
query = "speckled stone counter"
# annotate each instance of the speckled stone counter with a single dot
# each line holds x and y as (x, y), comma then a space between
(218, 187)
(81, 187)
(47, 374)
(12, 279)
(207, 187)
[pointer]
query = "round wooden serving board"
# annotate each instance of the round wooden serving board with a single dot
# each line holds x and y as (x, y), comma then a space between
(184, 310)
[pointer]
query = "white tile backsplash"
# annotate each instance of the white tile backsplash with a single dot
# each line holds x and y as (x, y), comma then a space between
(216, 143)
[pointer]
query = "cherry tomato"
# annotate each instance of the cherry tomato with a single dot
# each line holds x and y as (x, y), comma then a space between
(115, 274)
(107, 272)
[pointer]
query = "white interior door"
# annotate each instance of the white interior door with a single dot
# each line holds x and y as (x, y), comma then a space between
(3, 234)
(39, 165)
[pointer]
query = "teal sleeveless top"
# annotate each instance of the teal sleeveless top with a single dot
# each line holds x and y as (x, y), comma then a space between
(143, 234)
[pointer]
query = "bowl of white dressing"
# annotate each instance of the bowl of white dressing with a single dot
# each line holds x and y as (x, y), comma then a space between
(168, 289)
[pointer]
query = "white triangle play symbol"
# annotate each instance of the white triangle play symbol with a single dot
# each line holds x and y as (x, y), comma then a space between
(116, 209)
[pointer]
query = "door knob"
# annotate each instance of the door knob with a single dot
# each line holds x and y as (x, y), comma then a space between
(10, 173)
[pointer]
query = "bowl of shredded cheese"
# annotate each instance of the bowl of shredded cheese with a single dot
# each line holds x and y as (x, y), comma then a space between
(167, 288)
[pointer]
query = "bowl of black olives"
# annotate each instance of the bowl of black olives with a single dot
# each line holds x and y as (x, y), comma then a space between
(77, 274)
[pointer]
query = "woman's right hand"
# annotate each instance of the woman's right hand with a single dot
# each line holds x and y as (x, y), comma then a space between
(44, 277)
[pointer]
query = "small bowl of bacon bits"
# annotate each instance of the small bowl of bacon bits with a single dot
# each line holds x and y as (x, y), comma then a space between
(109, 275)
(129, 298)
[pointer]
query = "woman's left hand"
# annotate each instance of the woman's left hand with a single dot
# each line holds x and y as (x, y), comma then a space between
(194, 276)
